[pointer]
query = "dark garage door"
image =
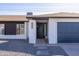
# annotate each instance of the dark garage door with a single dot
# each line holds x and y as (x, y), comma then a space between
(68, 32)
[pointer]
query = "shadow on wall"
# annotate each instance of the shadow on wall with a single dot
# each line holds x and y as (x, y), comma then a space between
(23, 46)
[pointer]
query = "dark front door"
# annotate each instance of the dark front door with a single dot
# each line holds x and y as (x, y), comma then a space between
(41, 30)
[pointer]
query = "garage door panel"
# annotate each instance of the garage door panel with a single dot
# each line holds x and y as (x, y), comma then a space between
(68, 32)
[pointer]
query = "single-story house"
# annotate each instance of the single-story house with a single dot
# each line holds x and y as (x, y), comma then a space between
(52, 28)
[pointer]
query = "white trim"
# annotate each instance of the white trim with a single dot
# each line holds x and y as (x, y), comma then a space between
(26, 29)
(12, 37)
(66, 19)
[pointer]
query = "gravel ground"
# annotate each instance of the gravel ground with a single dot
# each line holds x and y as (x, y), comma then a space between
(14, 48)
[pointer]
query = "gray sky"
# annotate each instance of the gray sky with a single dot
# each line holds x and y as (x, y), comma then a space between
(37, 8)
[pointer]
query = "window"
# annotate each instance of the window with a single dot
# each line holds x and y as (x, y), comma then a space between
(20, 29)
(2, 27)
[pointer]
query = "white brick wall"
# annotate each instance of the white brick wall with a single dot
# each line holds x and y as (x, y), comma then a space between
(32, 31)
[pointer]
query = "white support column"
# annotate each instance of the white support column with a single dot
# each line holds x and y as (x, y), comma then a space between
(25, 29)
(32, 31)
(52, 31)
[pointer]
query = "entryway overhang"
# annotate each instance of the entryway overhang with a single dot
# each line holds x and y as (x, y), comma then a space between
(53, 20)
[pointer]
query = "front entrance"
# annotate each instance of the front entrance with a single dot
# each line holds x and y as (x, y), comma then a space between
(42, 33)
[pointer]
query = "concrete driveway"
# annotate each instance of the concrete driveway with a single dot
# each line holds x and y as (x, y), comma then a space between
(72, 49)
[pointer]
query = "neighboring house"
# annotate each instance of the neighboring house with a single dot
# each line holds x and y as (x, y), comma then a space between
(51, 28)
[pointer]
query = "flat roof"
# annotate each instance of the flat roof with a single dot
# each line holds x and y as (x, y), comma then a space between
(13, 18)
(55, 15)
